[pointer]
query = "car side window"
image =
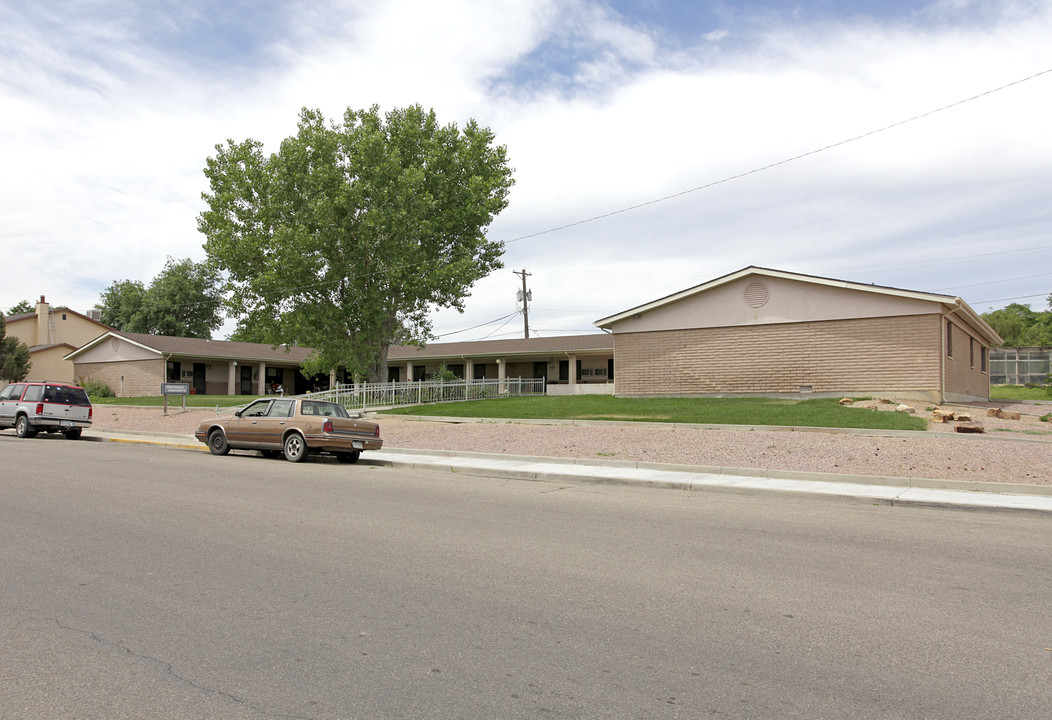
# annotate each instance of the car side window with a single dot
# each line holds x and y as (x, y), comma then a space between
(33, 393)
(280, 408)
(257, 409)
(11, 392)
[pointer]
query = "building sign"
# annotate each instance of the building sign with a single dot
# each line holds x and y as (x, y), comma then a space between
(173, 388)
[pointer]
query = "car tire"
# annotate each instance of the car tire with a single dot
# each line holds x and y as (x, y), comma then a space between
(295, 447)
(73, 434)
(270, 454)
(349, 458)
(217, 443)
(23, 429)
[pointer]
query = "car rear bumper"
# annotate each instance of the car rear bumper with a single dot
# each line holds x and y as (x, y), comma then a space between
(341, 443)
(62, 423)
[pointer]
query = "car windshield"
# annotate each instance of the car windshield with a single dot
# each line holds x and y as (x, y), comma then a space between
(328, 409)
(65, 395)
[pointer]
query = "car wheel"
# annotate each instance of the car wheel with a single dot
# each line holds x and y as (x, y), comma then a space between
(23, 429)
(217, 443)
(72, 434)
(270, 454)
(349, 458)
(295, 448)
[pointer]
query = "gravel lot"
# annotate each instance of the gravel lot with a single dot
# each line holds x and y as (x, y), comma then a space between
(1009, 451)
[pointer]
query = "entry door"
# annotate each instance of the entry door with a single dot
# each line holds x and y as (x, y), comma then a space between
(246, 382)
(199, 378)
(540, 370)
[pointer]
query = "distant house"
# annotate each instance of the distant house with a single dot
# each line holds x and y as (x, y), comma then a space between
(51, 333)
(768, 332)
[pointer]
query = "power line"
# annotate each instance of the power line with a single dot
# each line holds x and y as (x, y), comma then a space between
(794, 158)
(475, 327)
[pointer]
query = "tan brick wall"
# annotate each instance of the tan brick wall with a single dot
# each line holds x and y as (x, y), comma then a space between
(965, 379)
(141, 377)
(891, 354)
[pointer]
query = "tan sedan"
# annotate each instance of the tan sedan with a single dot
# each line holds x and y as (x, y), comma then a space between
(293, 427)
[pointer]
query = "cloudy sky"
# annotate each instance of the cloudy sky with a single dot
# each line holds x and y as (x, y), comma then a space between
(656, 144)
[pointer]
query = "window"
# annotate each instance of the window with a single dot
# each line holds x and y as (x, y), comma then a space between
(982, 358)
(11, 392)
(256, 409)
(971, 351)
(949, 339)
(33, 393)
(280, 408)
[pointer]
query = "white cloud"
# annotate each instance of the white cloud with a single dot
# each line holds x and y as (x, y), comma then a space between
(104, 136)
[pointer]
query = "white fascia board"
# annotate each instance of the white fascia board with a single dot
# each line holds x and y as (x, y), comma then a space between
(766, 272)
(110, 334)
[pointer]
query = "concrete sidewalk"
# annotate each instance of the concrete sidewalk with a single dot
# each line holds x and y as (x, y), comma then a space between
(880, 490)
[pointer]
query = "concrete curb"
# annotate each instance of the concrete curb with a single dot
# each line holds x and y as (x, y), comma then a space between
(894, 491)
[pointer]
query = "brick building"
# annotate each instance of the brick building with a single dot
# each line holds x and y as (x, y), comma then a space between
(768, 332)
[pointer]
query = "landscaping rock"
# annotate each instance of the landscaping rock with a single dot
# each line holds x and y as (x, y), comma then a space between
(969, 427)
(941, 416)
(905, 408)
(846, 401)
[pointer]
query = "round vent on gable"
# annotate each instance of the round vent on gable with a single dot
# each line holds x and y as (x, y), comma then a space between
(757, 294)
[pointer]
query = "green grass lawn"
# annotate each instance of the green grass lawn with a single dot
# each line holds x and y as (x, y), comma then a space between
(817, 412)
(208, 401)
(1021, 392)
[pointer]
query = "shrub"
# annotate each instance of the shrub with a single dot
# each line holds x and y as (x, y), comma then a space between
(97, 389)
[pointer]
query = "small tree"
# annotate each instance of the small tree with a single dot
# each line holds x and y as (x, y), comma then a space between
(14, 356)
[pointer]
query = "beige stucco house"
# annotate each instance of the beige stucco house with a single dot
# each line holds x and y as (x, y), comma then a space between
(767, 332)
(51, 333)
(136, 364)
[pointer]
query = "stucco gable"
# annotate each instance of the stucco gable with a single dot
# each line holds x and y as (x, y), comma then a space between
(760, 296)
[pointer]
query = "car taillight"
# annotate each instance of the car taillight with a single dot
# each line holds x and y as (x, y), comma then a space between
(89, 413)
(376, 433)
(40, 408)
(326, 426)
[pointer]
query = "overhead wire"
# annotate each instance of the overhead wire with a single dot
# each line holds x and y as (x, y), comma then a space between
(740, 175)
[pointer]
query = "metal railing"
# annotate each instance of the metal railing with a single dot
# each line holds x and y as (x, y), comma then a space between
(365, 396)
(360, 397)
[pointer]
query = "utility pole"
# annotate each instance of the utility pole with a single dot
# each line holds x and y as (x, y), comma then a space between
(525, 295)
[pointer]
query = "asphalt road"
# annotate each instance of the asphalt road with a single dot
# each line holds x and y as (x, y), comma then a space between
(143, 582)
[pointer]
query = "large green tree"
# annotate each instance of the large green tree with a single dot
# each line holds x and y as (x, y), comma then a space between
(346, 238)
(184, 300)
(23, 307)
(14, 356)
(1019, 326)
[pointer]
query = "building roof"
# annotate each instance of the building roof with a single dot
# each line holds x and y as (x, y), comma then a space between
(949, 301)
(52, 310)
(202, 348)
(595, 342)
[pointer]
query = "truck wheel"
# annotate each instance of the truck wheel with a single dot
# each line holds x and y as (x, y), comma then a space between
(72, 434)
(23, 429)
